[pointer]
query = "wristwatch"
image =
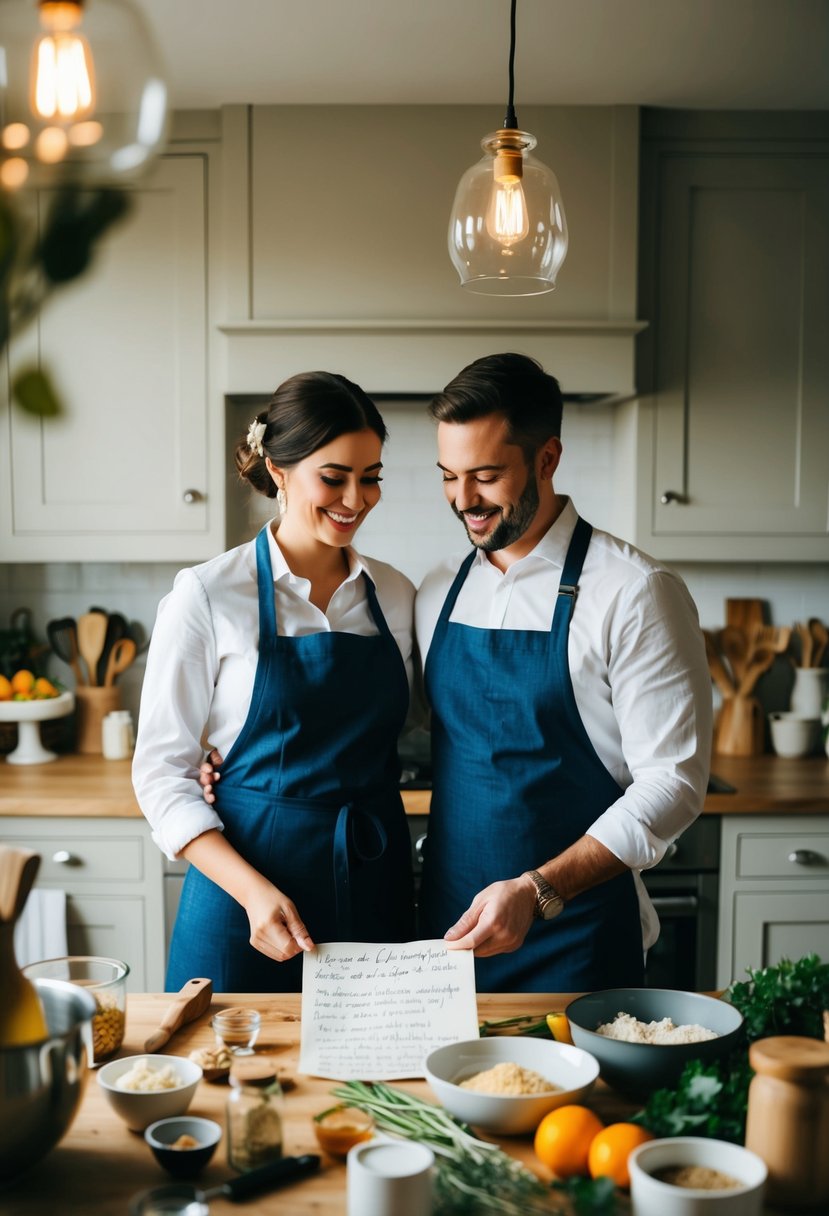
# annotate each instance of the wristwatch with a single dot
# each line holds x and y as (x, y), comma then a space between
(548, 902)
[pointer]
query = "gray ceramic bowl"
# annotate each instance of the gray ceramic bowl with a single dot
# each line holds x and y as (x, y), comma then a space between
(183, 1162)
(638, 1069)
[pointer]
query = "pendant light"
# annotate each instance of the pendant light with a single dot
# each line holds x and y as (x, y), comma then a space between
(82, 98)
(507, 231)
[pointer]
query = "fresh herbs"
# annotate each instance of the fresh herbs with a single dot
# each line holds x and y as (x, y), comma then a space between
(524, 1023)
(712, 1100)
(473, 1177)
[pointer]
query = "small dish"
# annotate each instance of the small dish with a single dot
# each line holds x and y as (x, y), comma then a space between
(237, 1029)
(341, 1127)
(571, 1072)
(177, 1159)
(140, 1107)
(652, 1197)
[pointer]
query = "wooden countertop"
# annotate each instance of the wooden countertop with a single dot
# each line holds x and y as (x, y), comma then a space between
(91, 787)
(99, 1165)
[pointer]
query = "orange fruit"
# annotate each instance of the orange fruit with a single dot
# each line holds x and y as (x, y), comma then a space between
(5, 689)
(563, 1138)
(611, 1148)
(23, 681)
(44, 688)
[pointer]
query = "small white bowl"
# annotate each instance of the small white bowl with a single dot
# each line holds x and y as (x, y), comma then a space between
(570, 1069)
(650, 1197)
(140, 1108)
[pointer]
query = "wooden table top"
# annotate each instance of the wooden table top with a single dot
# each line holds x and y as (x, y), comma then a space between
(99, 1164)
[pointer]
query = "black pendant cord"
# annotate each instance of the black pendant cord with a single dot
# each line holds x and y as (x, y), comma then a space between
(510, 119)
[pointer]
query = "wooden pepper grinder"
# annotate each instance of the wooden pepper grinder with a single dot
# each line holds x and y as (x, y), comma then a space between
(788, 1118)
(21, 1014)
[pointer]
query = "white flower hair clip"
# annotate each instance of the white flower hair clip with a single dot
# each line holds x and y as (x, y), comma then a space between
(256, 433)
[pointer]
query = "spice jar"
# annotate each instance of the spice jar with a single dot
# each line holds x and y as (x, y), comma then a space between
(254, 1117)
(788, 1118)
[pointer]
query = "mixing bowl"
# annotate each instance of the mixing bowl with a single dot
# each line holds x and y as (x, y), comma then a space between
(41, 1084)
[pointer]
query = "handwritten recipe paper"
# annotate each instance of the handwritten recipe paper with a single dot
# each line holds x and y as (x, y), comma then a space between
(373, 1012)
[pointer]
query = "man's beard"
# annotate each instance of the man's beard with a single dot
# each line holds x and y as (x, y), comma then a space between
(511, 527)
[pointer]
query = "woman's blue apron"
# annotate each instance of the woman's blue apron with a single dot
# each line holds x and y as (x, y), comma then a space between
(516, 780)
(309, 796)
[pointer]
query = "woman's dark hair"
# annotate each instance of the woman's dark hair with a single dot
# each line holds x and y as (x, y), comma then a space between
(515, 386)
(305, 413)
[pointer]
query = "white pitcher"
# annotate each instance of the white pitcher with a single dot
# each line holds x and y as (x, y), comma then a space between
(809, 691)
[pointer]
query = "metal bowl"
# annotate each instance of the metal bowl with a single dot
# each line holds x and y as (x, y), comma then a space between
(41, 1083)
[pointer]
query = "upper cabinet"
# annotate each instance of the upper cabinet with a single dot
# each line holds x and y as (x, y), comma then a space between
(125, 472)
(731, 452)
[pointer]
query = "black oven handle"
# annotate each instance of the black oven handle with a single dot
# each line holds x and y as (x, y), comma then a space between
(676, 905)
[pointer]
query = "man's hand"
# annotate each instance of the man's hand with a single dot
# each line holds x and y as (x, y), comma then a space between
(497, 920)
(209, 775)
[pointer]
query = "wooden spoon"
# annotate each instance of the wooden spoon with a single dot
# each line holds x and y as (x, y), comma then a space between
(715, 665)
(120, 657)
(759, 661)
(193, 999)
(820, 639)
(734, 645)
(92, 632)
(805, 635)
(63, 636)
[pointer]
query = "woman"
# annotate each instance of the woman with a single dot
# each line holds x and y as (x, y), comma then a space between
(293, 655)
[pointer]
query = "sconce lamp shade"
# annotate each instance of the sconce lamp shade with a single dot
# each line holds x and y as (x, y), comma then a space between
(82, 93)
(507, 230)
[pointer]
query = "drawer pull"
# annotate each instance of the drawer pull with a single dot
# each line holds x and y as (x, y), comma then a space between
(804, 857)
(64, 858)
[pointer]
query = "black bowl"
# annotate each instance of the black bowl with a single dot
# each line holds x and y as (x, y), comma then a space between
(183, 1162)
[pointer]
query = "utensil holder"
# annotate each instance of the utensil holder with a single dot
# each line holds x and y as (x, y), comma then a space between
(811, 685)
(740, 728)
(92, 706)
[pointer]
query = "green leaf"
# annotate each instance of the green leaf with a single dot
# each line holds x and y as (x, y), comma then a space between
(33, 391)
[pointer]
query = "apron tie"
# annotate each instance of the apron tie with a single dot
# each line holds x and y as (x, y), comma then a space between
(347, 847)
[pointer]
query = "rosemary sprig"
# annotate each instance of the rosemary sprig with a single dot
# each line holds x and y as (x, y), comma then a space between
(473, 1176)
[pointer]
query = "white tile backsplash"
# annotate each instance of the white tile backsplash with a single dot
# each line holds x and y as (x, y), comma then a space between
(413, 528)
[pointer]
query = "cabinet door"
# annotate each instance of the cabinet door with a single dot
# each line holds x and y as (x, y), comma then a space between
(123, 473)
(741, 424)
(769, 926)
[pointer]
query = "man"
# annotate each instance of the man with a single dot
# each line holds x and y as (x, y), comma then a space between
(571, 706)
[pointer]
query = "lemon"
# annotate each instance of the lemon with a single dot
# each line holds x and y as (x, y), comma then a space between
(559, 1027)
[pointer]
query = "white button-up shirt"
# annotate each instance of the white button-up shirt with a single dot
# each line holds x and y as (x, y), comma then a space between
(638, 668)
(202, 663)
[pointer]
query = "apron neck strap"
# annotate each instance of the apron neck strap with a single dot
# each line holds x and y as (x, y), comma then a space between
(569, 586)
(264, 577)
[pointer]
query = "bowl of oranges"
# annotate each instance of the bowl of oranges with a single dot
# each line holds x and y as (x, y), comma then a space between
(28, 700)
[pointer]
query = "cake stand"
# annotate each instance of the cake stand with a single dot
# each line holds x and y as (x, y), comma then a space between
(28, 715)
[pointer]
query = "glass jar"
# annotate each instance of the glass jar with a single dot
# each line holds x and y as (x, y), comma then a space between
(254, 1120)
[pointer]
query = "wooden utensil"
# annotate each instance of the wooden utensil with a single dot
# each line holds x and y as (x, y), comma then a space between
(775, 636)
(806, 643)
(740, 727)
(715, 665)
(760, 660)
(92, 632)
(63, 637)
(21, 1014)
(193, 999)
(746, 614)
(734, 646)
(116, 628)
(120, 657)
(820, 640)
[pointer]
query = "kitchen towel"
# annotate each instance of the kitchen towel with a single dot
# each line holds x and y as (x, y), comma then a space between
(40, 932)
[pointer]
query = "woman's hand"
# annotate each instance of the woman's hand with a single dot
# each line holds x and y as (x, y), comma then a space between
(209, 775)
(276, 928)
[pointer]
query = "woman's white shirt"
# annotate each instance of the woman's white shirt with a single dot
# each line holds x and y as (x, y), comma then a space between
(202, 663)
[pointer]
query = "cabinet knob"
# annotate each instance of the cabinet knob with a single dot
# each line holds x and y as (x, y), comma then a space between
(191, 496)
(64, 858)
(674, 496)
(804, 857)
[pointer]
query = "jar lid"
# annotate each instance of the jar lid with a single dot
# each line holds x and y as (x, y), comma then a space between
(257, 1071)
(790, 1057)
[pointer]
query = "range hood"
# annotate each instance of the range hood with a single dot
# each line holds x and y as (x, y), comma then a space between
(592, 360)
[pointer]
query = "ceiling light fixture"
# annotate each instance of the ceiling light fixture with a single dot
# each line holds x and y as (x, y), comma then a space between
(82, 97)
(507, 231)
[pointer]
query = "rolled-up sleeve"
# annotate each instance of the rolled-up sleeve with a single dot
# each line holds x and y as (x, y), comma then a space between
(175, 705)
(661, 696)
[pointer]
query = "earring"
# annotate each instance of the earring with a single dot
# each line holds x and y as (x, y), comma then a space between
(281, 500)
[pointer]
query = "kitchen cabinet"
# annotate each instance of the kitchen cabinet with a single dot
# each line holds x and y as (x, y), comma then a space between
(729, 438)
(774, 891)
(125, 473)
(112, 875)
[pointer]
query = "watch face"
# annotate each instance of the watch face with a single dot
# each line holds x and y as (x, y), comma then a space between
(551, 905)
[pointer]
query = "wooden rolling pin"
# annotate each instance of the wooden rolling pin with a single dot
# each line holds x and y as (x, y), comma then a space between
(193, 999)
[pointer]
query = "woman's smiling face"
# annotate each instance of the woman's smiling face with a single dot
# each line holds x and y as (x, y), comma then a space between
(331, 492)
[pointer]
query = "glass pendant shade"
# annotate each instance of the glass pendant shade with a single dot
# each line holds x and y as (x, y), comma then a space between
(82, 94)
(507, 231)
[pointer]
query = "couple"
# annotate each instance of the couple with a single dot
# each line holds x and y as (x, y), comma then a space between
(565, 675)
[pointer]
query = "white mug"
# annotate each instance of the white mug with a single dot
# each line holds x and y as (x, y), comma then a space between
(389, 1178)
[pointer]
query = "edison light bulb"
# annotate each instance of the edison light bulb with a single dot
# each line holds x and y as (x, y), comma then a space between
(62, 75)
(506, 219)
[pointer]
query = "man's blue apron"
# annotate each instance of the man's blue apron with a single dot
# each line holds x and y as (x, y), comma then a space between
(516, 780)
(309, 796)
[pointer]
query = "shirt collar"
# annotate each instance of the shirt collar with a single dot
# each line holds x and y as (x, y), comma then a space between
(283, 573)
(554, 543)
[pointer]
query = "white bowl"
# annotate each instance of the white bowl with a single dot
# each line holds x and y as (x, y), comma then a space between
(140, 1108)
(650, 1197)
(794, 734)
(572, 1070)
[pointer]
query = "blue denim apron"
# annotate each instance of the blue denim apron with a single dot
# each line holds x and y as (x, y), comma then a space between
(516, 780)
(309, 796)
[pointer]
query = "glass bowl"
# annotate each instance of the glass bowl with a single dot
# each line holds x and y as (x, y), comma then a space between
(106, 980)
(237, 1029)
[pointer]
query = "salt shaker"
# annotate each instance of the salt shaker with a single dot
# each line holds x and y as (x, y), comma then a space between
(115, 736)
(788, 1118)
